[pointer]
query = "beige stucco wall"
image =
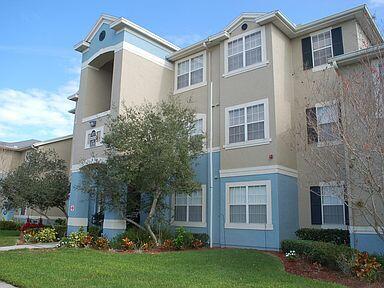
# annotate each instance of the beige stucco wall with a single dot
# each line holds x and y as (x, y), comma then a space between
(9, 160)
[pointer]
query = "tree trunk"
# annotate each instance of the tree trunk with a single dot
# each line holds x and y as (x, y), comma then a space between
(62, 209)
(151, 214)
(41, 213)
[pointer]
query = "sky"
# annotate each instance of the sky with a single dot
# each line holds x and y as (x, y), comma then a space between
(39, 67)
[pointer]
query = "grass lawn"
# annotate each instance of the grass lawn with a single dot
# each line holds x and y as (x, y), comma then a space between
(8, 237)
(89, 268)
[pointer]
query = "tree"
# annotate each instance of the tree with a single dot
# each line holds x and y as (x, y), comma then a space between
(343, 141)
(150, 152)
(40, 183)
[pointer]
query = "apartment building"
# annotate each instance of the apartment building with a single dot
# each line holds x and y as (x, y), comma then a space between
(248, 85)
(13, 154)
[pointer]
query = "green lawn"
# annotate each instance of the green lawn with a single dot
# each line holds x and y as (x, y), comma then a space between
(89, 268)
(8, 237)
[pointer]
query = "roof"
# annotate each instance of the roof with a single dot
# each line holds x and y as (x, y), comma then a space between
(119, 24)
(360, 13)
(356, 56)
(74, 97)
(18, 146)
(54, 140)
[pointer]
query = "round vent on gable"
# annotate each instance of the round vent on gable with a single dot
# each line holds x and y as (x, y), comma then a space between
(102, 35)
(244, 26)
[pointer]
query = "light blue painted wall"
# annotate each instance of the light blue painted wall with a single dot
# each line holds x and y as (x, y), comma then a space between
(79, 199)
(112, 38)
(370, 243)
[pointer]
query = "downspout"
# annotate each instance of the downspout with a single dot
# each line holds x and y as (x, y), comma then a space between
(210, 92)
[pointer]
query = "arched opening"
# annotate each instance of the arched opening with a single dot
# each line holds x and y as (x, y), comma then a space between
(99, 84)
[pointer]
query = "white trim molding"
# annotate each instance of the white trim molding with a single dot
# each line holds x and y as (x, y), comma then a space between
(77, 221)
(96, 116)
(77, 167)
(258, 170)
(114, 224)
(247, 225)
(362, 230)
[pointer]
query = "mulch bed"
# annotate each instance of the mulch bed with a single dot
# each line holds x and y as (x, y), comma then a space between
(315, 271)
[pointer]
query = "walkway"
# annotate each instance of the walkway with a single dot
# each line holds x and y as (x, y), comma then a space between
(28, 246)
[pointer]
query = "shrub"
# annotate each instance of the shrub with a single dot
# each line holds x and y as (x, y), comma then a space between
(94, 231)
(138, 236)
(79, 239)
(101, 243)
(46, 235)
(291, 255)
(61, 230)
(9, 225)
(167, 244)
(30, 236)
(203, 237)
(128, 244)
(366, 266)
(380, 259)
(326, 254)
(336, 236)
(183, 239)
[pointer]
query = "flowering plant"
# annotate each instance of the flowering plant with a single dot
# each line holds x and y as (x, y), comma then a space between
(128, 244)
(291, 255)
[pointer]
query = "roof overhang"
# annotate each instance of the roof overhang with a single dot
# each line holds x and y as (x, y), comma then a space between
(357, 56)
(55, 140)
(124, 24)
(74, 96)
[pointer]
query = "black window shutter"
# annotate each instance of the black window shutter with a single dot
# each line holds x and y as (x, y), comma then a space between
(346, 209)
(311, 125)
(306, 46)
(337, 41)
(316, 216)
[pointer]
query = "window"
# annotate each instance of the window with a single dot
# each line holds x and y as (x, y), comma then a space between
(247, 124)
(199, 125)
(245, 51)
(94, 137)
(249, 205)
(322, 48)
(332, 204)
(323, 123)
(328, 119)
(189, 210)
(190, 72)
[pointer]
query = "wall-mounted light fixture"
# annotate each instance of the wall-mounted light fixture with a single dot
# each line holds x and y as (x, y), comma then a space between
(92, 123)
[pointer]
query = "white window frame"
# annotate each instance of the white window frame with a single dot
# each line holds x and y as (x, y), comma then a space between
(194, 86)
(98, 144)
(263, 62)
(255, 226)
(187, 223)
(247, 143)
(326, 65)
(331, 226)
(201, 116)
(325, 143)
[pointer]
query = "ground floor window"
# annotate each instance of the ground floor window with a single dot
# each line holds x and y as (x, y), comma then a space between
(249, 205)
(332, 204)
(189, 210)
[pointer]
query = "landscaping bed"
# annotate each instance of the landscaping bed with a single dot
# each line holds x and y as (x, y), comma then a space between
(307, 269)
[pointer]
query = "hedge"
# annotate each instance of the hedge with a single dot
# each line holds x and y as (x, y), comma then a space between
(336, 236)
(9, 225)
(326, 254)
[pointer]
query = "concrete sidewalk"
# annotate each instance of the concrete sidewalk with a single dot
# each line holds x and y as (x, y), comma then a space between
(29, 246)
(5, 285)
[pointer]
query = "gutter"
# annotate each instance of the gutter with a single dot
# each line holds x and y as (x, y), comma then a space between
(356, 56)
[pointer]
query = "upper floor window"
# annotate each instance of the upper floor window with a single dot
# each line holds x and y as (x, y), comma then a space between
(245, 51)
(320, 46)
(190, 73)
(247, 123)
(249, 205)
(199, 125)
(189, 210)
(94, 137)
(323, 124)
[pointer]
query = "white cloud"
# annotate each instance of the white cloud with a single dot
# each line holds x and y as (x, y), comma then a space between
(376, 3)
(184, 40)
(36, 113)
